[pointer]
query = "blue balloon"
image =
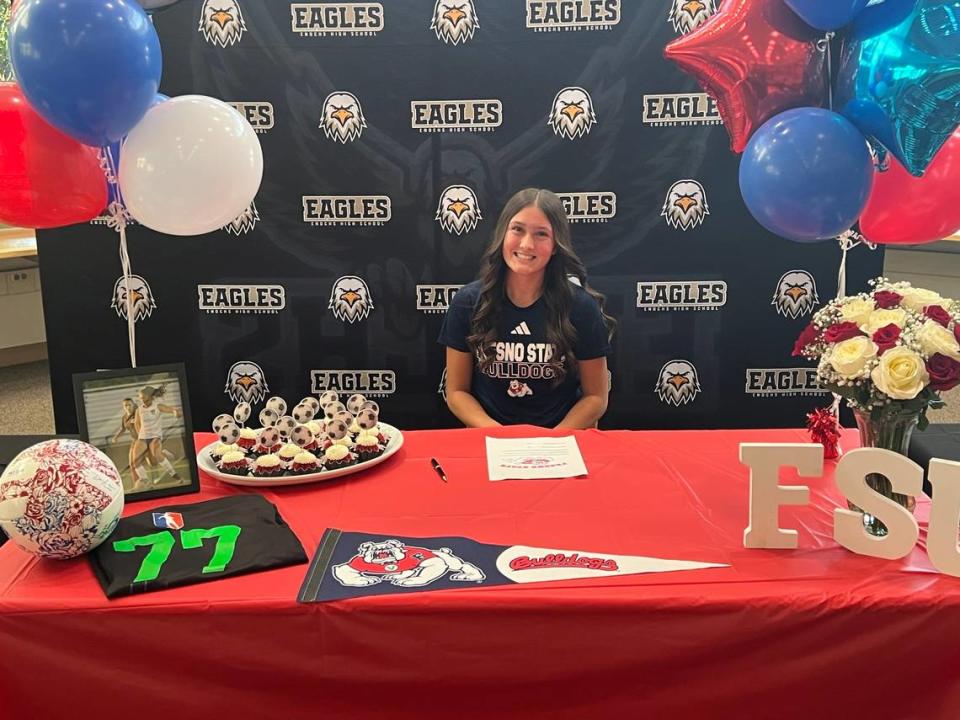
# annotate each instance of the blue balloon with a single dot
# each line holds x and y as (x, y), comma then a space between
(90, 67)
(827, 14)
(879, 17)
(902, 87)
(806, 174)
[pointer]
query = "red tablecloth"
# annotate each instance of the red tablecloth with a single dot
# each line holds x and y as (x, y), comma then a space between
(816, 632)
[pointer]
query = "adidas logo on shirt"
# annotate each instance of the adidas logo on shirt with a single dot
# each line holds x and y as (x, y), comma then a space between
(521, 329)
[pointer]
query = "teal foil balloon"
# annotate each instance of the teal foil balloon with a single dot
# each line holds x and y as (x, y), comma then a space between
(902, 88)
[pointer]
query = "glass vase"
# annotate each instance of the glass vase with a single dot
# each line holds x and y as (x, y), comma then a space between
(892, 431)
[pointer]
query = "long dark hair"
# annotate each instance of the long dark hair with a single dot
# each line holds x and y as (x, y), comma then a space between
(557, 291)
(154, 392)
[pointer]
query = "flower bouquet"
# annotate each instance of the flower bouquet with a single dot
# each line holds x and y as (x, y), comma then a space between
(889, 353)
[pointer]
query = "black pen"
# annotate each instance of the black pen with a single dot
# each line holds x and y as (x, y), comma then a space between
(438, 469)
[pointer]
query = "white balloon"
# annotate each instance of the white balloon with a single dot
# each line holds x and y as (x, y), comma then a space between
(190, 166)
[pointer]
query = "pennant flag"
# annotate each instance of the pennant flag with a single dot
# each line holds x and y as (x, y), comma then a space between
(354, 564)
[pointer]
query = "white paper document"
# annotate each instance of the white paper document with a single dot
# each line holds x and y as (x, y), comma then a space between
(534, 458)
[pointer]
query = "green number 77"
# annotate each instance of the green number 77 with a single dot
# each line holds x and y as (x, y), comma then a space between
(161, 545)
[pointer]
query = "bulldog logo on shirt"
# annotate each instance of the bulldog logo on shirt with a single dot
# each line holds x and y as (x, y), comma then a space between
(518, 389)
(403, 565)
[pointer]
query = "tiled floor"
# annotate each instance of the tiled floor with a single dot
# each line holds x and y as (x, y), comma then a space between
(27, 409)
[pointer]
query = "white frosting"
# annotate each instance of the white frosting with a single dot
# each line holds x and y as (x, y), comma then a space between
(304, 457)
(367, 441)
(354, 428)
(222, 449)
(316, 427)
(268, 461)
(336, 452)
(248, 433)
(289, 451)
(234, 456)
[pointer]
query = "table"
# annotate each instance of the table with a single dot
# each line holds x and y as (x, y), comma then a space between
(816, 632)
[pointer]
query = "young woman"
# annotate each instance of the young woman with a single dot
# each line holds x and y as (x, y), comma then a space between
(528, 341)
(149, 443)
(128, 425)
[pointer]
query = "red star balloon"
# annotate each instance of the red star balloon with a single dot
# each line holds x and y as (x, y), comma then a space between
(757, 58)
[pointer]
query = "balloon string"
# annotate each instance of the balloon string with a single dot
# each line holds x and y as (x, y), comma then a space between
(826, 43)
(125, 264)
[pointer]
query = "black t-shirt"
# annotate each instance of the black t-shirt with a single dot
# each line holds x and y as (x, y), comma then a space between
(185, 544)
(518, 386)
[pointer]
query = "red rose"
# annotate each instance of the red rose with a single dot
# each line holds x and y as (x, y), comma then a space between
(841, 331)
(944, 372)
(886, 299)
(810, 333)
(937, 314)
(886, 338)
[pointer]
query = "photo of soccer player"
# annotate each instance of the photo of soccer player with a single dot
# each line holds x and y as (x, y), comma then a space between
(140, 418)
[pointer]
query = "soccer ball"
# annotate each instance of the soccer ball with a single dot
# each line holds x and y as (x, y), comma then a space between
(60, 498)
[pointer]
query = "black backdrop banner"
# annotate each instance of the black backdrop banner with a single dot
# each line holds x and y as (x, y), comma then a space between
(393, 133)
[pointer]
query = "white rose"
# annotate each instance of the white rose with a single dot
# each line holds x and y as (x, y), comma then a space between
(917, 299)
(935, 338)
(857, 310)
(849, 357)
(882, 318)
(901, 374)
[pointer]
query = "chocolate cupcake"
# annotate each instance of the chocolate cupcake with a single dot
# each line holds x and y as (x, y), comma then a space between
(338, 456)
(222, 449)
(248, 439)
(305, 463)
(267, 466)
(287, 453)
(234, 463)
(367, 447)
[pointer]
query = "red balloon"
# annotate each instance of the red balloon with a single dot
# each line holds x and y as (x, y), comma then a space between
(904, 209)
(757, 58)
(47, 179)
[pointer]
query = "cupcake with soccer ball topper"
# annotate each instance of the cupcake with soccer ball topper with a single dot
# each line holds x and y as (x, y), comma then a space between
(338, 456)
(287, 453)
(247, 440)
(222, 449)
(268, 442)
(234, 463)
(305, 463)
(267, 466)
(367, 447)
(368, 420)
(304, 438)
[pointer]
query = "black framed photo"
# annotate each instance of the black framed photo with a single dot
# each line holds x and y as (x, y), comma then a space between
(140, 417)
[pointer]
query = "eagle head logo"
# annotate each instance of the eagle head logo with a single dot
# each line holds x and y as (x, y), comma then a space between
(244, 222)
(572, 114)
(687, 15)
(678, 383)
(686, 205)
(350, 299)
(342, 117)
(221, 22)
(454, 21)
(796, 294)
(458, 211)
(137, 291)
(246, 383)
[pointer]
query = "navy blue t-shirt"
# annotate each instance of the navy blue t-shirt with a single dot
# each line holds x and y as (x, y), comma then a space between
(518, 388)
